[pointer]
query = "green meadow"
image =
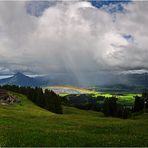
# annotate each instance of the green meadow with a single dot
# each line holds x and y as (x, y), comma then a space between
(26, 124)
(123, 98)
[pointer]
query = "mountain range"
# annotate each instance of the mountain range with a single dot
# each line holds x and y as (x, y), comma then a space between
(67, 79)
(53, 79)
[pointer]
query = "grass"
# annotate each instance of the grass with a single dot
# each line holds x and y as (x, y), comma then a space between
(127, 99)
(28, 125)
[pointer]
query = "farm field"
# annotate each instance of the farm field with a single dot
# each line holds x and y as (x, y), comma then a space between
(26, 124)
(125, 98)
(65, 90)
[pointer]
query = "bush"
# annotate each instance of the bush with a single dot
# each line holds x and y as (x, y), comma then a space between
(110, 107)
(126, 113)
(138, 104)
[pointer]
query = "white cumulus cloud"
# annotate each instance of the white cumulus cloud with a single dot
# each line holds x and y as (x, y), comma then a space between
(73, 36)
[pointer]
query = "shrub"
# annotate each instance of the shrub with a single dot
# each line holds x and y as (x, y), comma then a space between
(110, 107)
(126, 113)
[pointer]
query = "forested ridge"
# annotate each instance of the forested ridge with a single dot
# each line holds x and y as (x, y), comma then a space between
(46, 99)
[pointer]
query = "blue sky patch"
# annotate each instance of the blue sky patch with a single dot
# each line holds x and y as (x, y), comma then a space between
(128, 37)
(111, 6)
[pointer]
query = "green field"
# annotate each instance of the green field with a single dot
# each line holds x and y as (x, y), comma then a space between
(125, 98)
(26, 124)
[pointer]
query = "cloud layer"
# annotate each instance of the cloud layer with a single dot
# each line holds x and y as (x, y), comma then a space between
(73, 37)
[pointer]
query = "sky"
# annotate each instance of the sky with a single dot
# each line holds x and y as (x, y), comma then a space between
(79, 37)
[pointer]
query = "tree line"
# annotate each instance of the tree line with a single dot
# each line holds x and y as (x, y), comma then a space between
(111, 108)
(46, 99)
(51, 101)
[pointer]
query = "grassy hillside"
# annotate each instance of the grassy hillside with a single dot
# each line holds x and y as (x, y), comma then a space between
(29, 125)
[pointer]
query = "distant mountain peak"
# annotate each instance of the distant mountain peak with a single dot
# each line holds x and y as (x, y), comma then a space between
(19, 74)
(20, 79)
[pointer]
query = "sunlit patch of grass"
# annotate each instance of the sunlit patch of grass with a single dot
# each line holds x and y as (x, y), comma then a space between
(63, 94)
(125, 98)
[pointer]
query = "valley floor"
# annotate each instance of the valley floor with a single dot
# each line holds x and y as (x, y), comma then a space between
(28, 125)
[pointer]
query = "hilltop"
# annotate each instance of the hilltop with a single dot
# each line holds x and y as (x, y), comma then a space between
(26, 124)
